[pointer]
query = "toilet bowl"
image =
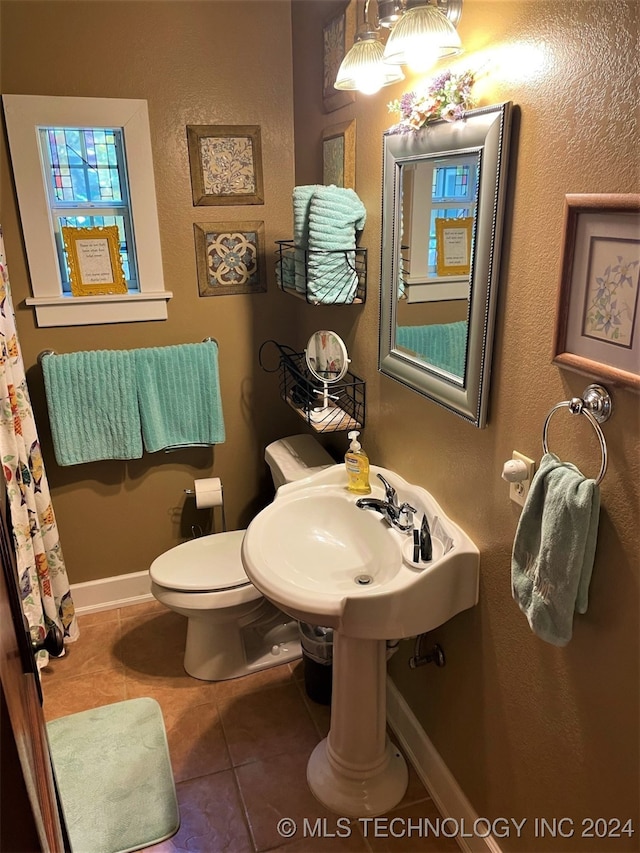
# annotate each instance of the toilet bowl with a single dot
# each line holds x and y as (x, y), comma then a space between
(231, 629)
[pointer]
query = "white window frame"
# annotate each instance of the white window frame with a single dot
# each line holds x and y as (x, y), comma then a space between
(24, 114)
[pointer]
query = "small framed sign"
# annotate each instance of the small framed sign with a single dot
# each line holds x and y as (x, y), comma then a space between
(453, 246)
(93, 257)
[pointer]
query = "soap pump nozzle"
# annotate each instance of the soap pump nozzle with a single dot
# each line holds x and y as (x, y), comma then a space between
(355, 444)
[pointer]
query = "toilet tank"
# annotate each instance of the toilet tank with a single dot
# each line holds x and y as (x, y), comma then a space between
(295, 457)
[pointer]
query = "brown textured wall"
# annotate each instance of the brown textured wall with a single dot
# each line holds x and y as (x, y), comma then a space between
(195, 63)
(527, 729)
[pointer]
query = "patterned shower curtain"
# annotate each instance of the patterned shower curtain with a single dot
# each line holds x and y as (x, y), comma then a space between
(42, 576)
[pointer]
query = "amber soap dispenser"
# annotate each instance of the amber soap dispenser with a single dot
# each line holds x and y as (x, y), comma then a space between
(357, 464)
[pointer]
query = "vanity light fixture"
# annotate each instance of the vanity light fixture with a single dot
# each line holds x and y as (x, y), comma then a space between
(364, 69)
(422, 31)
(424, 34)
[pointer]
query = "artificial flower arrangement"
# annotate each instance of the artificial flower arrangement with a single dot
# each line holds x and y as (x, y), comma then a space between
(446, 97)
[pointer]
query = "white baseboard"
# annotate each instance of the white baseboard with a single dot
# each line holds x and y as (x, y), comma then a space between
(109, 593)
(436, 776)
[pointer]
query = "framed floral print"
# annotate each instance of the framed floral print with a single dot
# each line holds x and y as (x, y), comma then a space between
(337, 38)
(230, 258)
(226, 164)
(339, 155)
(598, 310)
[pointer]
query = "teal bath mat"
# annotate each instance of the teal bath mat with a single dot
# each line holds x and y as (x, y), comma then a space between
(114, 777)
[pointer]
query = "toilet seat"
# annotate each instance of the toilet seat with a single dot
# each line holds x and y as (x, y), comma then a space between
(207, 564)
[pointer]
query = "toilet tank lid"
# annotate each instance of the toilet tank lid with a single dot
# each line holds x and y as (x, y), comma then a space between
(297, 456)
(207, 564)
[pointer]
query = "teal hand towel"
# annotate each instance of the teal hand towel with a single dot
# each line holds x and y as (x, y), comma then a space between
(179, 395)
(93, 406)
(554, 549)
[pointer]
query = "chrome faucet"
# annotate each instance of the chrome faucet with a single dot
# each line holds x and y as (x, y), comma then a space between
(399, 516)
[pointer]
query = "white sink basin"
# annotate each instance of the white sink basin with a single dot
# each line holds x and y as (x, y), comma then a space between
(323, 560)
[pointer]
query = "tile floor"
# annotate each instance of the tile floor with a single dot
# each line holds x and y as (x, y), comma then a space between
(239, 748)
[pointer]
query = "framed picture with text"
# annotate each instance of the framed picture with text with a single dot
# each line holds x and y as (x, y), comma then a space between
(94, 261)
(597, 329)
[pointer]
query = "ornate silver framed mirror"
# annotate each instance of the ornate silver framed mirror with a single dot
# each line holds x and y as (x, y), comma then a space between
(443, 200)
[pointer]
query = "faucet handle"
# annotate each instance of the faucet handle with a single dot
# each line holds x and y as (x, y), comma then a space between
(390, 492)
(405, 517)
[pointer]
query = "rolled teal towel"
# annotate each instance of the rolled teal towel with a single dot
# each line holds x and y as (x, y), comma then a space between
(335, 214)
(301, 202)
(93, 406)
(179, 395)
(554, 549)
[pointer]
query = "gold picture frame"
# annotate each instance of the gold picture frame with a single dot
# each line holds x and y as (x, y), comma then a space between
(337, 38)
(230, 258)
(453, 246)
(226, 164)
(597, 330)
(339, 155)
(93, 257)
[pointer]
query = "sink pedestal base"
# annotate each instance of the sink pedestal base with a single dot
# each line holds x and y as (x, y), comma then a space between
(355, 771)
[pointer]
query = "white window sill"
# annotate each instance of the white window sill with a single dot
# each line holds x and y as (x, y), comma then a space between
(96, 310)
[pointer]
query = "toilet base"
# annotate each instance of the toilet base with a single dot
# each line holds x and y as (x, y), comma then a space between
(217, 652)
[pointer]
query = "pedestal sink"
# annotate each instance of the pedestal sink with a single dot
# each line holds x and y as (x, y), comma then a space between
(323, 560)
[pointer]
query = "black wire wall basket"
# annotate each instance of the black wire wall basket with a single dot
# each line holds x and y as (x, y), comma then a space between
(322, 277)
(326, 407)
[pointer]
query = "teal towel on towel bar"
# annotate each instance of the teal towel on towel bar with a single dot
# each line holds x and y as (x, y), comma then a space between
(443, 345)
(179, 395)
(554, 549)
(93, 406)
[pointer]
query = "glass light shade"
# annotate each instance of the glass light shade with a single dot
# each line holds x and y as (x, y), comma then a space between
(364, 69)
(421, 37)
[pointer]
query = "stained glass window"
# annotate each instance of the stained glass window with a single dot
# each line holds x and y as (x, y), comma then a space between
(87, 187)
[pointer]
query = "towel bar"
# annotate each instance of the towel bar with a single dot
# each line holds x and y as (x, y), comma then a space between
(595, 404)
(46, 352)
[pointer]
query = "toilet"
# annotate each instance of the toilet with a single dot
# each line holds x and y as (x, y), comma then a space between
(232, 630)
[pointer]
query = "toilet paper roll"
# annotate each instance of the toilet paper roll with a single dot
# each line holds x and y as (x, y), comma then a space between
(208, 492)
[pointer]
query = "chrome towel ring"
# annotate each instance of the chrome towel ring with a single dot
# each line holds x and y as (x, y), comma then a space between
(595, 404)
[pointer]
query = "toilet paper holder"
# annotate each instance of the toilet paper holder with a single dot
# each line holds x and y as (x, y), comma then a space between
(192, 493)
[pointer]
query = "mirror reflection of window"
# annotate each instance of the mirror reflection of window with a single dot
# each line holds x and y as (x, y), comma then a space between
(452, 197)
(451, 186)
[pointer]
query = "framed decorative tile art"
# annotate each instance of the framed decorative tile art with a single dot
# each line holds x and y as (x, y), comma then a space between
(230, 258)
(337, 38)
(598, 311)
(226, 164)
(339, 155)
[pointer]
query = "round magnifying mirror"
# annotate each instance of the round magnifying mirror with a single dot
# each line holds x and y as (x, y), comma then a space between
(327, 360)
(327, 356)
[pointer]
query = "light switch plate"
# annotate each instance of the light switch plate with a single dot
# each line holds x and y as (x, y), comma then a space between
(518, 491)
